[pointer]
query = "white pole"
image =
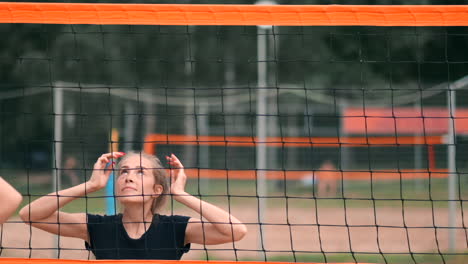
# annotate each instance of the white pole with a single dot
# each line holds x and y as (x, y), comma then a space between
(58, 138)
(345, 151)
(452, 177)
(418, 159)
(261, 131)
(58, 125)
(203, 150)
(129, 126)
(261, 153)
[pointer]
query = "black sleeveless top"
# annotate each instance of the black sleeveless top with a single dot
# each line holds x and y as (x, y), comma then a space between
(164, 239)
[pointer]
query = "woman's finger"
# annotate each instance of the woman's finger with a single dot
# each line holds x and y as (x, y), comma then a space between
(99, 164)
(108, 171)
(176, 162)
(113, 154)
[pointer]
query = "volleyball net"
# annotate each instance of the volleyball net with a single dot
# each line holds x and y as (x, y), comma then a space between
(335, 133)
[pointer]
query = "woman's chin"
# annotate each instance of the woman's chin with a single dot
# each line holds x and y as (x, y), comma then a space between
(127, 199)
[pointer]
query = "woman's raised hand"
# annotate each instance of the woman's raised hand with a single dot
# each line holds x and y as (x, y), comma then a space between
(178, 177)
(101, 171)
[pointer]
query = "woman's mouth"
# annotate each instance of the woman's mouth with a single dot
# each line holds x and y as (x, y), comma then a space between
(128, 188)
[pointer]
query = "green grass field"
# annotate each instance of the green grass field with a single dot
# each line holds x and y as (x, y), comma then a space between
(373, 258)
(354, 194)
(423, 193)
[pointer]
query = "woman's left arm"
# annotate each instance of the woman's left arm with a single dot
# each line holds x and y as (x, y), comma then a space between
(220, 227)
(10, 199)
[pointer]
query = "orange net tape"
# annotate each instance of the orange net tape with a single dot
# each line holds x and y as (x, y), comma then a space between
(152, 140)
(69, 261)
(280, 15)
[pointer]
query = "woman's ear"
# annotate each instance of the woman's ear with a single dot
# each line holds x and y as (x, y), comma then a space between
(158, 189)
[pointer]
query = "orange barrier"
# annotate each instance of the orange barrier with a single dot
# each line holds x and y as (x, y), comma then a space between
(72, 261)
(279, 15)
(152, 140)
(406, 120)
(298, 175)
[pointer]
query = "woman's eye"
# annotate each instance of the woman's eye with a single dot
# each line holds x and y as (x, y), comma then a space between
(140, 172)
(123, 172)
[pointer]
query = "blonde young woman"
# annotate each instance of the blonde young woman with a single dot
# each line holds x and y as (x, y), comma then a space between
(139, 232)
(10, 199)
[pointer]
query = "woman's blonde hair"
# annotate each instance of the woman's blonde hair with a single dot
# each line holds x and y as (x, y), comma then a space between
(159, 174)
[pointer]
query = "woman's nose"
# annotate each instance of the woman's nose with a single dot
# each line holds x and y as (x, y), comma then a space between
(129, 177)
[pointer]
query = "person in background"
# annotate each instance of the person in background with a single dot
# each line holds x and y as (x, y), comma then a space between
(70, 170)
(327, 179)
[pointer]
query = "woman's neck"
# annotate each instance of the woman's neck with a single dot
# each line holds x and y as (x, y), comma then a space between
(137, 213)
(137, 219)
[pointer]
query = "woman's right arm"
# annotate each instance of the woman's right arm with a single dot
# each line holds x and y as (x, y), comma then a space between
(44, 213)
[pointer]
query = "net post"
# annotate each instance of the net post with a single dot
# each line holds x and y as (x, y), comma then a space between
(58, 134)
(261, 131)
(452, 167)
(130, 122)
(418, 150)
(261, 160)
(203, 150)
(57, 147)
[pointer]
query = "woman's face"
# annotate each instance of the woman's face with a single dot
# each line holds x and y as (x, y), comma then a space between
(136, 183)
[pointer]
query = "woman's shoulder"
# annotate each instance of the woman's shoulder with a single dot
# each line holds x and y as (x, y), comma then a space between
(97, 218)
(171, 218)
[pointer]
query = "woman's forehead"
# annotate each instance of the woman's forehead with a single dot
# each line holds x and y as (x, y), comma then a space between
(136, 161)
